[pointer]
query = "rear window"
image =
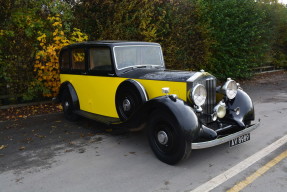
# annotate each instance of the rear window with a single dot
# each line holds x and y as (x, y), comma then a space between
(78, 59)
(65, 60)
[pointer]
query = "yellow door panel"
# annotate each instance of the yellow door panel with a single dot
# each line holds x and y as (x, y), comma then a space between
(97, 94)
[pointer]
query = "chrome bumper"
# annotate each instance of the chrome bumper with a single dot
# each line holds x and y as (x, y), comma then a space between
(222, 140)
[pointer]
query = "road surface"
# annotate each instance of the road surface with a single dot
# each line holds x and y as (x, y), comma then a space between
(48, 153)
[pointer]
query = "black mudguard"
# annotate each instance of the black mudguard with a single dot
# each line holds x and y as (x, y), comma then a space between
(184, 115)
(73, 93)
(244, 102)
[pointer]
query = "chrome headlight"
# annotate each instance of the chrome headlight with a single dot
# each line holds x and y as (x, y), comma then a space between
(198, 95)
(230, 88)
(220, 109)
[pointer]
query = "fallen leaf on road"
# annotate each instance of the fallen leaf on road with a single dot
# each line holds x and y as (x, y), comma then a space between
(40, 136)
(28, 140)
(18, 180)
(22, 148)
(3, 147)
(82, 150)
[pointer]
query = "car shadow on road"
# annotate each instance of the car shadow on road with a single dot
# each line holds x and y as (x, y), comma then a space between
(35, 141)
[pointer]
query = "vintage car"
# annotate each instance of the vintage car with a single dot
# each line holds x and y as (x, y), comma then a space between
(126, 85)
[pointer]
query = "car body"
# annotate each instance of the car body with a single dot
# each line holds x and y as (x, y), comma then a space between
(126, 85)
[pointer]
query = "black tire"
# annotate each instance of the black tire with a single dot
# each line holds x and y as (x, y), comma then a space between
(68, 106)
(175, 148)
(247, 123)
(128, 100)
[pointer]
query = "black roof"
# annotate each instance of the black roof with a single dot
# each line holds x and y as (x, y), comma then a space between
(110, 43)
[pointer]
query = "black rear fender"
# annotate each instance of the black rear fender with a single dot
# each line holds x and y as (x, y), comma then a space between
(67, 86)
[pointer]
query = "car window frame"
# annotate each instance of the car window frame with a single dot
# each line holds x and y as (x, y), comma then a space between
(65, 70)
(124, 68)
(98, 72)
(78, 71)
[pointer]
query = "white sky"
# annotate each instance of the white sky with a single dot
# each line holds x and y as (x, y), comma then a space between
(283, 1)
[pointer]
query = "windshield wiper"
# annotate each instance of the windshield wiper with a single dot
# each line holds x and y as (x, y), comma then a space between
(141, 66)
(148, 66)
(127, 69)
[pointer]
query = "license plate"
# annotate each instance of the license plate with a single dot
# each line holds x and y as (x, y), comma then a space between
(239, 140)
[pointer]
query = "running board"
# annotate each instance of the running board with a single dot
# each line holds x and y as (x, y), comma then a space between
(103, 119)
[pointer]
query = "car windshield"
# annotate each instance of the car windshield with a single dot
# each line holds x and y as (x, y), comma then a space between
(138, 56)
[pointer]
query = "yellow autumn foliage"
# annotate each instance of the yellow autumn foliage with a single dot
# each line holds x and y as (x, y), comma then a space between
(47, 58)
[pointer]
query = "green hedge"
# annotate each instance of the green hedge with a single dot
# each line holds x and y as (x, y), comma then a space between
(227, 38)
(241, 33)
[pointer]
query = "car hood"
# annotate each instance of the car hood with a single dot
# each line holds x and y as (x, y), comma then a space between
(157, 74)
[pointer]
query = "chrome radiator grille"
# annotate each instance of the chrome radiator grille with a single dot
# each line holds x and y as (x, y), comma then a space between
(210, 84)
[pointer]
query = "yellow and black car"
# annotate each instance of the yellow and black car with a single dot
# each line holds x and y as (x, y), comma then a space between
(126, 85)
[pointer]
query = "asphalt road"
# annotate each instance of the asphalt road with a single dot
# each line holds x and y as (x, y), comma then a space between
(48, 153)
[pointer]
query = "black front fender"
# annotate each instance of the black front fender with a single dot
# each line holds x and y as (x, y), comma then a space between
(245, 104)
(185, 116)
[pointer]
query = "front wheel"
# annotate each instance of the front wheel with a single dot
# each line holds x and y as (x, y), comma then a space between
(166, 139)
(128, 101)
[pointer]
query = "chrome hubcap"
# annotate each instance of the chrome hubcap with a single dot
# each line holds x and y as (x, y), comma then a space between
(162, 137)
(126, 105)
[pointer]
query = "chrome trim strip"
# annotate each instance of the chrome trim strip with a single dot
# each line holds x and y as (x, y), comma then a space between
(143, 89)
(194, 77)
(210, 103)
(222, 140)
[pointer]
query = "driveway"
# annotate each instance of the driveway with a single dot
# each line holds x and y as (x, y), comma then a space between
(48, 153)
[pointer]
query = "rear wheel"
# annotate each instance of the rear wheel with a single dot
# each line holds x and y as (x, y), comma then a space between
(68, 106)
(166, 139)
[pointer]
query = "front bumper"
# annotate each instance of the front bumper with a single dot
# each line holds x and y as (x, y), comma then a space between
(221, 140)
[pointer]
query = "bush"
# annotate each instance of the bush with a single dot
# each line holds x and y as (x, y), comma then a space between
(227, 38)
(240, 30)
(47, 81)
(174, 24)
(20, 23)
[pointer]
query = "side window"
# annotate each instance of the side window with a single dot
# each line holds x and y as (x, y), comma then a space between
(65, 60)
(78, 59)
(100, 59)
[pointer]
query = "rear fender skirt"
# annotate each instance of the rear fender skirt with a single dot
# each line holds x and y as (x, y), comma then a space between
(73, 93)
(245, 104)
(184, 115)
